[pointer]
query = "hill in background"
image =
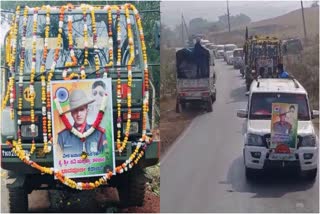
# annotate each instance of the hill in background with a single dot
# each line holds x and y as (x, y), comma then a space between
(285, 26)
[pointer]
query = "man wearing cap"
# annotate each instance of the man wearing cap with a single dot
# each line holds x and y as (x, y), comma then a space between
(72, 144)
(282, 127)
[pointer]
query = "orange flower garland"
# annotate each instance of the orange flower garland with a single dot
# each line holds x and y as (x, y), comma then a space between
(46, 149)
(95, 39)
(12, 61)
(129, 33)
(32, 75)
(21, 71)
(85, 34)
(119, 121)
(70, 39)
(50, 75)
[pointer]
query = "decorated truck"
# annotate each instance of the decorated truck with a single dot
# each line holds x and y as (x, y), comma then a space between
(76, 98)
(262, 53)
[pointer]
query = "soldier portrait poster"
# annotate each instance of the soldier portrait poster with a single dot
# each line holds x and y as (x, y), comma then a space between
(284, 123)
(83, 146)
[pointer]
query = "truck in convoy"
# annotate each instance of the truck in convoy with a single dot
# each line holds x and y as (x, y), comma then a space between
(261, 52)
(75, 42)
(195, 77)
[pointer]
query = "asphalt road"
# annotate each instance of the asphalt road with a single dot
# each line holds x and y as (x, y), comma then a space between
(204, 171)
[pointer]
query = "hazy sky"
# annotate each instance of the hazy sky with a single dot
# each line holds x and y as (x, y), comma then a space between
(211, 10)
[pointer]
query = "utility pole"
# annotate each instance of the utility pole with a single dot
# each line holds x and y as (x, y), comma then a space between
(304, 22)
(228, 15)
(182, 32)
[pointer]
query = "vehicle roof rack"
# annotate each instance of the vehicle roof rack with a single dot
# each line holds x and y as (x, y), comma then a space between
(294, 81)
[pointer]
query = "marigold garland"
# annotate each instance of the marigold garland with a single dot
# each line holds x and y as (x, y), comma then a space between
(46, 149)
(12, 61)
(95, 39)
(136, 155)
(119, 121)
(21, 71)
(85, 33)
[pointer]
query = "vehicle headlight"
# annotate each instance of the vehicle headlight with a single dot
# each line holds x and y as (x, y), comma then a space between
(308, 141)
(134, 127)
(26, 131)
(254, 140)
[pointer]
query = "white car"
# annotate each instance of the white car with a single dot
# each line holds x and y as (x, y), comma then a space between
(229, 57)
(257, 129)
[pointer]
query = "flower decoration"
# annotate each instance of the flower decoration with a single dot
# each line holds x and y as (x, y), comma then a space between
(46, 101)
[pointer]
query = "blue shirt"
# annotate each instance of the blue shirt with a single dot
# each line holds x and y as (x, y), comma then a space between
(283, 74)
(71, 144)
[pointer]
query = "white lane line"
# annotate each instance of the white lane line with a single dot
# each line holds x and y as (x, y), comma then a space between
(177, 142)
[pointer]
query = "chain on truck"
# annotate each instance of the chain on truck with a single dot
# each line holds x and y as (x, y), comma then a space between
(66, 43)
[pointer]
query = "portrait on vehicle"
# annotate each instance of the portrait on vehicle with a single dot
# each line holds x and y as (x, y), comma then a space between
(83, 142)
(284, 122)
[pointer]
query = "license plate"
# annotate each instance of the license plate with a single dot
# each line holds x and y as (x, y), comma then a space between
(277, 156)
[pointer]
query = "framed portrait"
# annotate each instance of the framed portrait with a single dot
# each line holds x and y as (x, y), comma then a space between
(284, 123)
(83, 141)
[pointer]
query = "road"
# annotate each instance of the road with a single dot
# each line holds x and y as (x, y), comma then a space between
(204, 171)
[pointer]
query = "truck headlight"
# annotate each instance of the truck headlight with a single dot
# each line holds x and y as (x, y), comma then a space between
(254, 140)
(308, 141)
(134, 127)
(26, 131)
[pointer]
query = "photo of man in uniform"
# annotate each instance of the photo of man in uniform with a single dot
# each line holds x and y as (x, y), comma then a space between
(72, 144)
(282, 126)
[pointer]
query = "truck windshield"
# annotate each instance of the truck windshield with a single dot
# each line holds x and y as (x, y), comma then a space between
(261, 105)
(78, 40)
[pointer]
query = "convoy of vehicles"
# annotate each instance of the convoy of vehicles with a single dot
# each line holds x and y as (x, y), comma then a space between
(24, 178)
(257, 152)
(195, 77)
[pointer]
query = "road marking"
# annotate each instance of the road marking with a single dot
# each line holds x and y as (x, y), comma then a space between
(177, 142)
(299, 205)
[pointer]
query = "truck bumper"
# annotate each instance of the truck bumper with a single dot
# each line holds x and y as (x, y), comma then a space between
(9, 160)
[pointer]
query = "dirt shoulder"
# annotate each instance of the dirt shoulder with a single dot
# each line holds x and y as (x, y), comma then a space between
(173, 124)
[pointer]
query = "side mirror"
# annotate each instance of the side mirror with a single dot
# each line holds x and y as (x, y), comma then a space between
(157, 35)
(314, 114)
(242, 113)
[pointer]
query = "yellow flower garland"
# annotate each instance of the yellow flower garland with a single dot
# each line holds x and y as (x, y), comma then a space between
(32, 75)
(21, 71)
(95, 38)
(11, 64)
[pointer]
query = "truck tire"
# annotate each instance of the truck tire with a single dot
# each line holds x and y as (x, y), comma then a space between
(178, 107)
(311, 175)
(209, 105)
(132, 189)
(18, 200)
(248, 87)
(251, 174)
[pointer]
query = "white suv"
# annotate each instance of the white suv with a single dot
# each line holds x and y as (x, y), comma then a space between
(257, 128)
